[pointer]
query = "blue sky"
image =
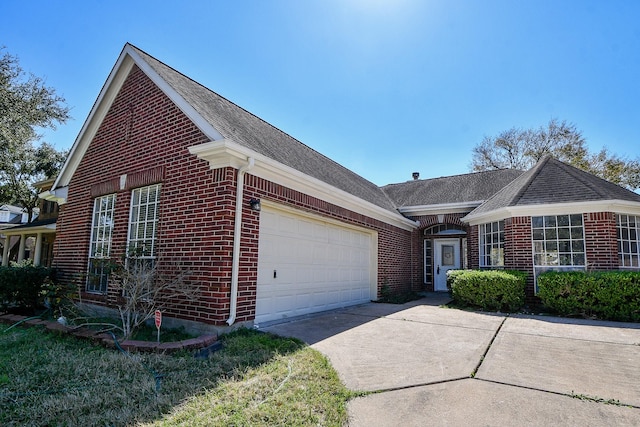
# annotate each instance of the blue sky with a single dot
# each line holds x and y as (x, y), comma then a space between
(383, 87)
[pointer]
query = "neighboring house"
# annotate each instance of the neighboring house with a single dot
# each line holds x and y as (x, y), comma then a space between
(34, 240)
(270, 228)
(10, 216)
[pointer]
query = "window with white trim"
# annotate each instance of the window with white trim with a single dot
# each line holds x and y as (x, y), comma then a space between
(143, 222)
(100, 246)
(492, 244)
(558, 242)
(628, 227)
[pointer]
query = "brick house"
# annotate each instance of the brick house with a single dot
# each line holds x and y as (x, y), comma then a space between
(269, 228)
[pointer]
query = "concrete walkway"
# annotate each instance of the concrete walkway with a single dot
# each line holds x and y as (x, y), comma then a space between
(429, 365)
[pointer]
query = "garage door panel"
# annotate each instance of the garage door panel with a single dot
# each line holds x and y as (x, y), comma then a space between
(320, 265)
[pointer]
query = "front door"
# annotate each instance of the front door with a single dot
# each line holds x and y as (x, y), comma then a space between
(446, 257)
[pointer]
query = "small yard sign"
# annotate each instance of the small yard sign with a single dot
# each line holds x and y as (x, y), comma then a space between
(158, 318)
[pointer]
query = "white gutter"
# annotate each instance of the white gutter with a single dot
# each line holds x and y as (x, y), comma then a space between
(225, 153)
(236, 241)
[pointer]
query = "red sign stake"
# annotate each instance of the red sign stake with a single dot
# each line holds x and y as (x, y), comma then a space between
(158, 318)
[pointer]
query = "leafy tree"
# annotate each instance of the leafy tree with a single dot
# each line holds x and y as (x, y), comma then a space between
(522, 148)
(26, 105)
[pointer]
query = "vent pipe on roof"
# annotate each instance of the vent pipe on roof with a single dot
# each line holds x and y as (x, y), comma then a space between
(416, 175)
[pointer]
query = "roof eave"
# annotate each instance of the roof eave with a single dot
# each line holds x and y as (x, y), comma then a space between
(25, 229)
(442, 208)
(59, 195)
(225, 153)
(614, 205)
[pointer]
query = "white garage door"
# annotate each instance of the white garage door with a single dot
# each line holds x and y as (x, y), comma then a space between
(307, 265)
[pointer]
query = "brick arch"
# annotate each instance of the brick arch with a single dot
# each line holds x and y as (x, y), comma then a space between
(427, 221)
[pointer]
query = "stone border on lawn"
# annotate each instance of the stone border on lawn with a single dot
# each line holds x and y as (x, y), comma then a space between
(107, 340)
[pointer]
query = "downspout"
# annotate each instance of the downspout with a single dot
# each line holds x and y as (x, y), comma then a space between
(236, 242)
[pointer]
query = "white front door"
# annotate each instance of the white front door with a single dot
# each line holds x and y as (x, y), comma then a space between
(446, 256)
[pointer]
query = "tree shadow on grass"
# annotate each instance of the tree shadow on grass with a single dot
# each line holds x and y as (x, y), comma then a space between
(47, 379)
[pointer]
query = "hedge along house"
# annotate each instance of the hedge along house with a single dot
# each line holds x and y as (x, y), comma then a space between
(269, 228)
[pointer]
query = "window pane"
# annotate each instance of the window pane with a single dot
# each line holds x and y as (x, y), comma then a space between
(576, 232)
(578, 259)
(563, 220)
(577, 246)
(563, 233)
(576, 220)
(565, 259)
(536, 222)
(447, 255)
(549, 221)
(550, 233)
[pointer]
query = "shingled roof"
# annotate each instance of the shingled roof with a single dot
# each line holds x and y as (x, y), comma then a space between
(239, 125)
(551, 181)
(472, 187)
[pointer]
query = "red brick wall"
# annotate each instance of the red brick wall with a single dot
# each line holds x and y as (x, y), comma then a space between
(518, 249)
(145, 136)
(601, 241)
(473, 243)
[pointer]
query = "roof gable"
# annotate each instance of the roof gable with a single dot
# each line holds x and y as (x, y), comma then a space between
(552, 182)
(224, 122)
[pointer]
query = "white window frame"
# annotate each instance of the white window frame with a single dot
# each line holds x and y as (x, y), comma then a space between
(550, 235)
(102, 225)
(142, 234)
(628, 238)
(491, 240)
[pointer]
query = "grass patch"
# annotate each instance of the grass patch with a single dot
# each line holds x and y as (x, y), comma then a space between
(256, 379)
(150, 333)
(146, 332)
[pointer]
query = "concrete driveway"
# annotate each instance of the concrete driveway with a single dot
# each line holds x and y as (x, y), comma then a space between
(428, 365)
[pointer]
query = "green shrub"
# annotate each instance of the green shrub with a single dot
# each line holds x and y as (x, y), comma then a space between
(22, 287)
(607, 295)
(490, 290)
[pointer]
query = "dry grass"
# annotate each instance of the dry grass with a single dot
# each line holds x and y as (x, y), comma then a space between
(257, 379)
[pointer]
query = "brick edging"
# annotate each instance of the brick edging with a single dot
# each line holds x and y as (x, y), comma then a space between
(106, 340)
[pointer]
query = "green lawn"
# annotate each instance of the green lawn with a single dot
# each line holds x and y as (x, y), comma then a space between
(256, 379)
